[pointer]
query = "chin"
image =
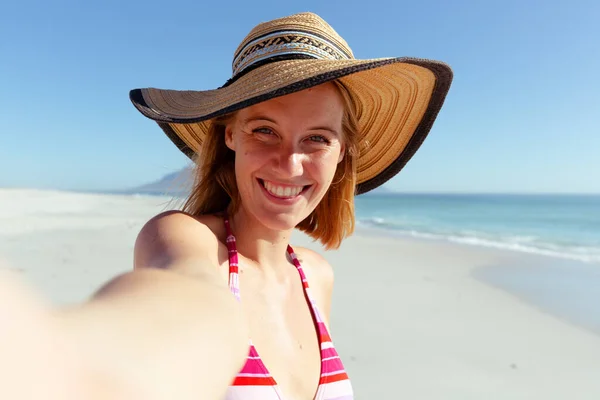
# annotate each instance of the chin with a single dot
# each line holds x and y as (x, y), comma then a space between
(280, 221)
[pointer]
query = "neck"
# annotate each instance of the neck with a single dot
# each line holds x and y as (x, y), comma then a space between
(265, 246)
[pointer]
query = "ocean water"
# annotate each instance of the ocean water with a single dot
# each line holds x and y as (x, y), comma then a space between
(565, 226)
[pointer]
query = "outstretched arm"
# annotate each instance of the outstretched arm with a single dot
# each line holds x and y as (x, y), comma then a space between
(169, 329)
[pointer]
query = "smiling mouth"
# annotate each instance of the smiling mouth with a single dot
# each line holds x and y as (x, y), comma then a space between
(283, 192)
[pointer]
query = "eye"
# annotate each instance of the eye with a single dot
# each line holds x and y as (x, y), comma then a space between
(264, 130)
(318, 139)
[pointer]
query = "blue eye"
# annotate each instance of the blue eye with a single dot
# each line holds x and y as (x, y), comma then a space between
(319, 139)
(266, 131)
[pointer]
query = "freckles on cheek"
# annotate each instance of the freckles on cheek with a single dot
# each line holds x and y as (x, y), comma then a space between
(328, 161)
(248, 160)
(325, 169)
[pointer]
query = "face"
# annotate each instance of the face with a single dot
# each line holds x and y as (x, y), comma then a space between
(286, 153)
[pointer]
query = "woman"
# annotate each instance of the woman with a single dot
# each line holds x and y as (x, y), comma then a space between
(299, 129)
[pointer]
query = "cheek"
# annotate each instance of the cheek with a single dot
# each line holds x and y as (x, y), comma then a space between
(248, 161)
(326, 166)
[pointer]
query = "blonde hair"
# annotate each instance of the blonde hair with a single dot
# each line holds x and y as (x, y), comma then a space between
(215, 188)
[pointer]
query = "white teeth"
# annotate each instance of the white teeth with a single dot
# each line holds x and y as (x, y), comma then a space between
(279, 191)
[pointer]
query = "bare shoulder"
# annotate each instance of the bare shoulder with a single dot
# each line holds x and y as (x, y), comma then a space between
(172, 238)
(315, 264)
(319, 274)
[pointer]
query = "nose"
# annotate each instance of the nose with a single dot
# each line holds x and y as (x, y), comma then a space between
(290, 161)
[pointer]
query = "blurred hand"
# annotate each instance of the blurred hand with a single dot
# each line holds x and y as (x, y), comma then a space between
(35, 362)
(44, 355)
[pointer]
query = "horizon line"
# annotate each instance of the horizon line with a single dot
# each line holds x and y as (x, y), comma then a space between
(388, 191)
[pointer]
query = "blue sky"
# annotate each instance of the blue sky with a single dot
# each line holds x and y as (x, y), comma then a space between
(523, 114)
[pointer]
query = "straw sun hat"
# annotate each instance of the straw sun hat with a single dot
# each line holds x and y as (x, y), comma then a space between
(397, 99)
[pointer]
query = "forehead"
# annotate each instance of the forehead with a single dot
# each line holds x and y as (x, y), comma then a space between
(323, 103)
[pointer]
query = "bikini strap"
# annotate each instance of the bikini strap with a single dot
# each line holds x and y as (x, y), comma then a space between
(234, 279)
(313, 304)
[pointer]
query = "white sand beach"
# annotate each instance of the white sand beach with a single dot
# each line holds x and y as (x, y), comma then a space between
(412, 319)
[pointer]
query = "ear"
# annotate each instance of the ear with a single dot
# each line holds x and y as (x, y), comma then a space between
(229, 142)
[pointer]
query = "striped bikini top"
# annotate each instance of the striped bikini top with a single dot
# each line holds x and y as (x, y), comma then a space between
(254, 382)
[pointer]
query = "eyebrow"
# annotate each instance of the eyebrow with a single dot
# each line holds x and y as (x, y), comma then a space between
(258, 118)
(265, 118)
(325, 128)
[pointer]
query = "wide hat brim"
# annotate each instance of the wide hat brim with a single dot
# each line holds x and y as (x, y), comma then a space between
(397, 102)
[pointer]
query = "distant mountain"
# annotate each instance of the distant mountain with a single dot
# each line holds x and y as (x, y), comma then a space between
(174, 184)
(179, 184)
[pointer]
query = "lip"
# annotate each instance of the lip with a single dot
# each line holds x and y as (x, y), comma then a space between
(282, 200)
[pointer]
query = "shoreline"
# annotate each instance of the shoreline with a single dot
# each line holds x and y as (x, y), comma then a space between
(365, 227)
(474, 242)
(536, 279)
